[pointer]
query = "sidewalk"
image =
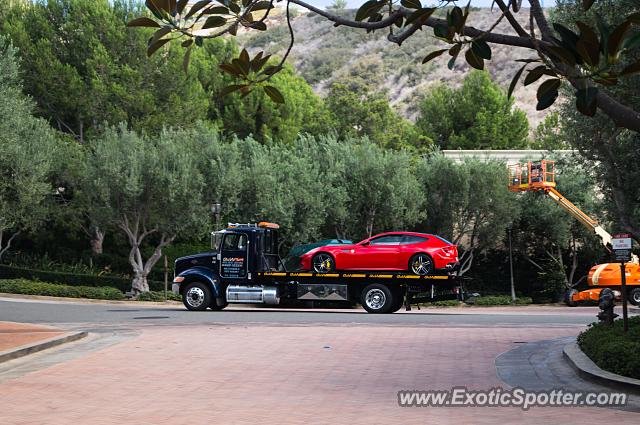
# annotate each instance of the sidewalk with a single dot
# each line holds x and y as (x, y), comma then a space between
(20, 339)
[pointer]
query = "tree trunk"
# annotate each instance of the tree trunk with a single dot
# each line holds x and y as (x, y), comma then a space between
(97, 240)
(140, 284)
(4, 248)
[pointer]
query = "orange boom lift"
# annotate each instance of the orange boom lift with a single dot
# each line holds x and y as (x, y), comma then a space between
(539, 176)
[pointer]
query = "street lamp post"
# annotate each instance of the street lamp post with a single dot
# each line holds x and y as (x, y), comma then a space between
(513, 286)
(216, 209)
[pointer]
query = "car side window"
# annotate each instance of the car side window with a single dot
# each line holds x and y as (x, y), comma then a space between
(407, 240)
(235, 242)
(386, 240)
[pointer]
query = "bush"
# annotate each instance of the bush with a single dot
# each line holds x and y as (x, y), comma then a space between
(501, 300)
(72, 279)
(612, 349)
(30, 287)
(158, 296)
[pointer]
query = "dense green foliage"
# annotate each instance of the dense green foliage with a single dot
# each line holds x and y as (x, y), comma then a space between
(29, 287)
(28, 152)
(478, 115)
(613, 349)
(610, 152)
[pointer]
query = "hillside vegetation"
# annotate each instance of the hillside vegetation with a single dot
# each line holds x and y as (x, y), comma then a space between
(323, 53)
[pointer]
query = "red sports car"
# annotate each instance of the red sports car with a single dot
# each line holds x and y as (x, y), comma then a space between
(417, 253)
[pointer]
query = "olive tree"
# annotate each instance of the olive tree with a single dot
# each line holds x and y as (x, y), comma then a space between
(468, 203)
(28, 152)
(589, 58)
(149, 188)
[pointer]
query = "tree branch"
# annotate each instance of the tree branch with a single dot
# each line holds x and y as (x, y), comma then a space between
(512, 20)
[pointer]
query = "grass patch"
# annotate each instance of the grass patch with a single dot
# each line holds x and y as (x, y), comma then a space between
(501, 300)
(30, 287)
(612, 349)
(443, 303)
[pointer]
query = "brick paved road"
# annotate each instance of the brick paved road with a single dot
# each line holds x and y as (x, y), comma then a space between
(234, 374)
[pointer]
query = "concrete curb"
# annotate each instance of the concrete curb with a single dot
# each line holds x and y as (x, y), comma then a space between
(27, 349)
(588, 370)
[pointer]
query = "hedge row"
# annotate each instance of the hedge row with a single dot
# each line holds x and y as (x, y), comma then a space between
(612, 349)
(29, 287)
(501, 300)
(73, 279)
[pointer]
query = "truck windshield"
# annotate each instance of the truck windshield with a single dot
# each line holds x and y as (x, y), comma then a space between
(216, 240)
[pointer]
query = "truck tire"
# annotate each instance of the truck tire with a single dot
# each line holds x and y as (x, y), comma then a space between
(398, 300)
(568, 298)
(196, 296)
(634, 296)
(377, 298)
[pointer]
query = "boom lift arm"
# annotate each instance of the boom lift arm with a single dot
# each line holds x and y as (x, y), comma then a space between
(580, 215)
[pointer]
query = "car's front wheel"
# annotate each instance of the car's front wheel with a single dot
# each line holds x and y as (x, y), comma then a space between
(323, 263)
(421, 264)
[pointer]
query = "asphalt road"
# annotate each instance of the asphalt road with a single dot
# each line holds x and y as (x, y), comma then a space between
(47, 312)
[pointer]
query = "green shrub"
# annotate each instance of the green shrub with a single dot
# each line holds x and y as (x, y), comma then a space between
(72, 279)
(158, 296)
(30, 287)
(501, 300)
(613, 349)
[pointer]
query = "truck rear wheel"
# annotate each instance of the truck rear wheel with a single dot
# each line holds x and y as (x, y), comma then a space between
(377, 298)
(634, 296)
(196, 296)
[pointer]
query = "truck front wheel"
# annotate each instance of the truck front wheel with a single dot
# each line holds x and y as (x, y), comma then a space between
(196, 296)
(377, 298)
(634, 296)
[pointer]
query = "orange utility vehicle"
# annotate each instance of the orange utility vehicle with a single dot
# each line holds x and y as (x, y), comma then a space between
(539, 176)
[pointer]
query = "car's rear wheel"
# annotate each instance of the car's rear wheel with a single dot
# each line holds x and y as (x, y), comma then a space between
(421, 264)
(377, 298)
(323, 263)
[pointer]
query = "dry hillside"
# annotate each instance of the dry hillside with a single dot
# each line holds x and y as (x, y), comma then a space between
(323, 53)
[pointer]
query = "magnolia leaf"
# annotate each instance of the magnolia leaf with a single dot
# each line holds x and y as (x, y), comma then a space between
(368, 8)
(420, 15)
(615, 40)
(515, 79)
(181, 5)
(229, 69)
(547, 93)
(261, 5)
(274, 94)
(259, 25)
(196, 8)
(433, 55)
(187, 43)
(481, 49)
(143, 22)
(218, 10)
(411, 4)
(213, 22)
(155, 46)
(586, 4)
(231, 88)
(455, 50)
(474, 60)
(535, 74)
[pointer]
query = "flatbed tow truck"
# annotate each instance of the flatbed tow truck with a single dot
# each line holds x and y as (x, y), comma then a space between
(244, 267)
(539, 176)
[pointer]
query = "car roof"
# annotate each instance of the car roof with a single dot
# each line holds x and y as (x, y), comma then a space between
(404, 234)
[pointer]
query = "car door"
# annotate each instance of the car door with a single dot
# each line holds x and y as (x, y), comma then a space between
(234, 259)
(379, 253)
